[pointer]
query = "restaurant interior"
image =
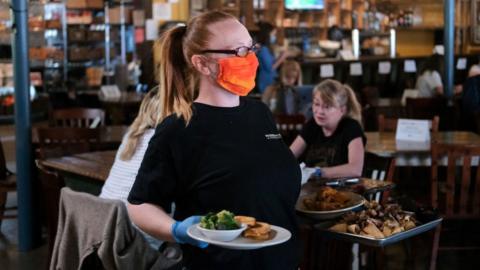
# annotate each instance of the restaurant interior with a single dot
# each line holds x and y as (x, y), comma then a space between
(74, 74)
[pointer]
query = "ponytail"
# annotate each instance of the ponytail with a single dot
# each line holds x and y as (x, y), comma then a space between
(174, 76)
(354, 109)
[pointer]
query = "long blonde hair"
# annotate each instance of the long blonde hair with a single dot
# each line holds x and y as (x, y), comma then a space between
(147, 118)
(175, 73)
(333, 93)
(289, 66)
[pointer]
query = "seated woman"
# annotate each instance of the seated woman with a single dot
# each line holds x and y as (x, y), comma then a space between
(130, 154)
(429, 83)
(333, 139)
(282, 98)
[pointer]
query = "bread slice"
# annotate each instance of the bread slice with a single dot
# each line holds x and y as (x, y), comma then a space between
(250, 221)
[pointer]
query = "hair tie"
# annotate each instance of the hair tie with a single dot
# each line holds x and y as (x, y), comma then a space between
(183, 28)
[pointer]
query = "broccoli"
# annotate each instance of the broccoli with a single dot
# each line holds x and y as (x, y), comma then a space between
(226, 221)
(223, 220)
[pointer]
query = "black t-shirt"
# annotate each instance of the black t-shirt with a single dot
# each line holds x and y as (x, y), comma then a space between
(329, 151)
(226, 158)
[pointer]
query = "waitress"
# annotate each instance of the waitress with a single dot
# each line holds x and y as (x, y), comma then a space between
(215, 150)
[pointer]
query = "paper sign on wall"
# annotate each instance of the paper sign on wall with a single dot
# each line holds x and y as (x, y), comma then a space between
(151, 29)
(413, 130)
(462, 63)
(356, 69)
(410, 66)
(109, 92)
(326, 71)
(162, 11)
(384, 67)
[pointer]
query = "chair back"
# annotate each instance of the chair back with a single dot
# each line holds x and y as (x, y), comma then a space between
(58, 141)
(289, 126)
(456, 192)
(50, 185)
(78, 117)
(425, 108)
(390, 124)
(378, 168)
(3, 163)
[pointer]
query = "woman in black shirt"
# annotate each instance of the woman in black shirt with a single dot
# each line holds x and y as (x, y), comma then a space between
(333, 139)
(215, 150)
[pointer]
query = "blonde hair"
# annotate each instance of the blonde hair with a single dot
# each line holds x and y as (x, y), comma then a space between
(335, 94)
(147, 118)
(291, 65)
(175, 73)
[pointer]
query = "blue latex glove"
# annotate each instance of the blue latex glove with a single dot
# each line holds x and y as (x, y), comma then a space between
(179, 232)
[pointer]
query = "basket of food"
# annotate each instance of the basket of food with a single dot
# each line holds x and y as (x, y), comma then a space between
(328, 203)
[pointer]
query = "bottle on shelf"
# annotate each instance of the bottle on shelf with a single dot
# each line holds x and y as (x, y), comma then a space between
(354, 20)
(401, 19)
(392, 20)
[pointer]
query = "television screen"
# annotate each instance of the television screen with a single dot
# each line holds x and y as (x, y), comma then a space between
(304, 4)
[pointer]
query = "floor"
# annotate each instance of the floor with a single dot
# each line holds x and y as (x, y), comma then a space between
(397, 256)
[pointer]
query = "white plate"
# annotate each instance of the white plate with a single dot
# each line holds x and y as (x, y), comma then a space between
(357, 201)
(241, 242)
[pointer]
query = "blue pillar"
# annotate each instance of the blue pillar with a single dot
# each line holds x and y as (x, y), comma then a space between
(28, 228)
(449, 41)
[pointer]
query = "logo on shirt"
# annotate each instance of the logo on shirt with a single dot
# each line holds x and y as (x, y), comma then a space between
(273, 136)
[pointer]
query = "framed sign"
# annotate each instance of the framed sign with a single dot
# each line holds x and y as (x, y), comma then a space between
(476, 21)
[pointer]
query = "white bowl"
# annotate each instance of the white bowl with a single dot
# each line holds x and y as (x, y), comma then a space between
(222, 235)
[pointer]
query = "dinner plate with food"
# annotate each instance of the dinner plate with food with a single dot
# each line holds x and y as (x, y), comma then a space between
(226, 230)
(328, 203)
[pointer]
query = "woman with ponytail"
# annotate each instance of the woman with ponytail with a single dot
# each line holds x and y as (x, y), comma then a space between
(333, 140)
(130, 153)
(215, 149)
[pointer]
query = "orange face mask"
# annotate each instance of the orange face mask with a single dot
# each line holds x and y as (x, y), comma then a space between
(237, 74)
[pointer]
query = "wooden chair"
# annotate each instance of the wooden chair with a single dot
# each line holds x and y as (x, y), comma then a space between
(8, 183)
(378, 167)
(77, 117)
(289, 126)
(455, 194)
(390, 124)
(427, 108)
(57, 141)
(51, 184)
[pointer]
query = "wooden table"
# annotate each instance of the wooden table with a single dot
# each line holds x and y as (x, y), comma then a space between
(93, 165)
(85, 172)
(414, 154)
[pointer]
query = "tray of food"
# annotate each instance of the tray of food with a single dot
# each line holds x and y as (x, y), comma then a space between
(328, 203)
(226, 230)
(379, 225)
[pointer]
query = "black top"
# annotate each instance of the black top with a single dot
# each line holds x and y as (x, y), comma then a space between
(330, 151)
(226, 158)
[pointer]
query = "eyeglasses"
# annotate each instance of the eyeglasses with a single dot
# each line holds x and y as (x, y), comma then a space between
(240, 51)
